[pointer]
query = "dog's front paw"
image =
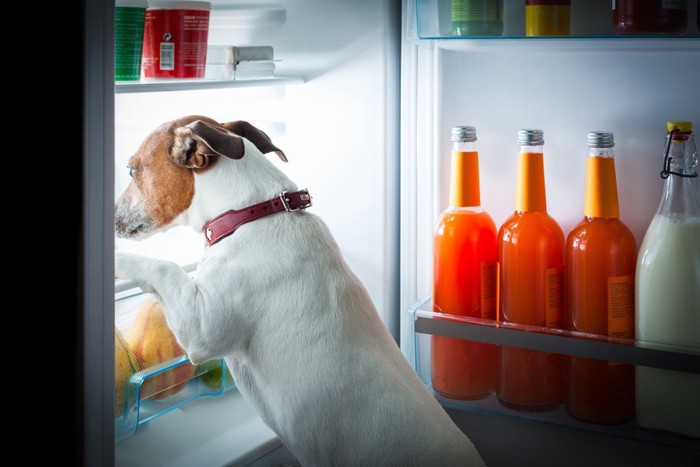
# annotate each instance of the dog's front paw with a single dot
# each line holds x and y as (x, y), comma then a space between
(131, 267)
(126, 265)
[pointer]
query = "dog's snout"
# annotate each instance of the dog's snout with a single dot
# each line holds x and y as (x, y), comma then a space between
(129, 220)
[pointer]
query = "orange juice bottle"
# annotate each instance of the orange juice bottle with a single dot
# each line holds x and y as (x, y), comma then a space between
(601, 257)
(464, 277)
(531, 257)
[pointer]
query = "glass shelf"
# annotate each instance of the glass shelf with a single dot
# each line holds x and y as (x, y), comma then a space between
(423, 324)
(122, 87)
(571, 43)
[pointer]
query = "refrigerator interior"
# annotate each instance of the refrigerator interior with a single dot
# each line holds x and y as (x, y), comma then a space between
(337, 119)
(567, 87)
(333, 109)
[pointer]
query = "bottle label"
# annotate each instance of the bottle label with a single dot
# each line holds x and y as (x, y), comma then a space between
(464, 184)
(621, 306)
(554, 297)
(128, 35)
(674, 4)
(529, 183)
(474, 10)
(600, 198)
(489, 289)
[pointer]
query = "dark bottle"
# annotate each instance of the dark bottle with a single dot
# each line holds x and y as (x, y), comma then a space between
(650, 16)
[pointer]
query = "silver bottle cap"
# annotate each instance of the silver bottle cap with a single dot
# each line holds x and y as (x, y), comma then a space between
(463, 134)
(530, 137)
(601, 139)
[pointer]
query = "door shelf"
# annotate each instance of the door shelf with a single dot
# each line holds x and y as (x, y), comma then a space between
(590, 20)
(163, 85)
(422, 324)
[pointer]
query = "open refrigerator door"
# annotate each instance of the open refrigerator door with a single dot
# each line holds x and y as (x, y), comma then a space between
(590, 78)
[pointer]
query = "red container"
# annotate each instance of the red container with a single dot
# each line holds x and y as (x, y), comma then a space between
(175, 39)
(650, 16)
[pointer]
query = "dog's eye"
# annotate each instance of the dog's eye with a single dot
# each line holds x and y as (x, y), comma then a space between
(131, 170)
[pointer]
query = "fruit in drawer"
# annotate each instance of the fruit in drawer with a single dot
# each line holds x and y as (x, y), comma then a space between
(125, 365)
(213, 378)
(154, 343)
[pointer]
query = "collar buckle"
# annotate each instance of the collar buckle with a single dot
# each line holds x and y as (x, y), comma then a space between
(303, 196)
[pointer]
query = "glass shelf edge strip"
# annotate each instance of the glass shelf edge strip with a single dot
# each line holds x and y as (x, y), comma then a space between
(122, 87)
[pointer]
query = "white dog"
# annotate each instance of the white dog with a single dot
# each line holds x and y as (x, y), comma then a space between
(277, 301)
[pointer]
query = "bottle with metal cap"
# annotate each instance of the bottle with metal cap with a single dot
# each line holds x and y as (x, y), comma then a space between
(464, 277)
(668, 291)
(531, 257)
(601, 257)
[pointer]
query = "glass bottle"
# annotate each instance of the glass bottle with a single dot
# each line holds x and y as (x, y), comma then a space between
(477, 17)
(547, 17)
(650, 16)
(668, 291)
(531, 257)
(601, 258)
(464, 277)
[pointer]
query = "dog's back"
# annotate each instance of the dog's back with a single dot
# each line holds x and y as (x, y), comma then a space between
(327, 376)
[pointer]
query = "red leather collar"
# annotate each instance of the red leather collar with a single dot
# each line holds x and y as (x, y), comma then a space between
(226, 223)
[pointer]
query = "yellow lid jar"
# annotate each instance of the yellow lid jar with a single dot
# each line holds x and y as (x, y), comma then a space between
(547, 17)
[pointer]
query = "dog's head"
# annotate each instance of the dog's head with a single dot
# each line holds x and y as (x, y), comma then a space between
(164, 167)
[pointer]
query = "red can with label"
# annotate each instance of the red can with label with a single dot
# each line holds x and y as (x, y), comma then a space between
(175, 39)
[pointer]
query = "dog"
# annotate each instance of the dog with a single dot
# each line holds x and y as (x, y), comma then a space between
(277, 301)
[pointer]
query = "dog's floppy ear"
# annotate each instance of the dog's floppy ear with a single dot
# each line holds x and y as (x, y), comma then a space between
(195, 143)
(256, 136)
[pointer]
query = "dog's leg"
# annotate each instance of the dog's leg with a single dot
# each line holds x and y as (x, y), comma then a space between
(182, 300)
(163, 278)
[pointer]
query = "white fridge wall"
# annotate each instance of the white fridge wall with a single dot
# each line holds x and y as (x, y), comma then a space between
(338, 129)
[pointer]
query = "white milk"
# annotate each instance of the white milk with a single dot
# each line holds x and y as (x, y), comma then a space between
(668, 312)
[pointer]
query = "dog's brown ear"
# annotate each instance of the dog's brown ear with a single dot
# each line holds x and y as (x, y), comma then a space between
(256, 136)
(195, 143)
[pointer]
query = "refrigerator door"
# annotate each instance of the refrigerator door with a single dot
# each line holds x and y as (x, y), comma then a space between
(567, 87)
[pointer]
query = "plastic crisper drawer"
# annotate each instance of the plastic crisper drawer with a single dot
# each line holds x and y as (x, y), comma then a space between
(423, 325)
(152, 373)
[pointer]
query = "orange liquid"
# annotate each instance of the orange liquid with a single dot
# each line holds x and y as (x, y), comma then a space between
(464, 276)
(598, 249)
(531, 256)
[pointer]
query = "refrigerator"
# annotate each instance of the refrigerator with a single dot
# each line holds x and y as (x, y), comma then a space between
(363, 99)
